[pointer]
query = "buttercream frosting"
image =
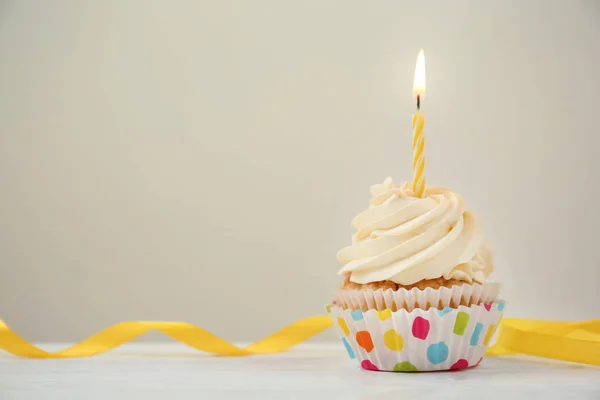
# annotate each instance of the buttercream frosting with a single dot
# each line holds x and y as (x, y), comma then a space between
(405, 239)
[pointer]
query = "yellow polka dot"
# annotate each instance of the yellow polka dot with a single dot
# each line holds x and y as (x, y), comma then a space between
(489, 334)
(385, 314)
(393, 341)
(343, 325)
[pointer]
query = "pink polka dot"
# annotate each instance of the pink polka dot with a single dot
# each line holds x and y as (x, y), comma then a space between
(460, 364)
(366, 364)
(420, 328)
(488, 306)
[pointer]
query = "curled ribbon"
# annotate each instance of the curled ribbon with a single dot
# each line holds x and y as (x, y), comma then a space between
(567, 341)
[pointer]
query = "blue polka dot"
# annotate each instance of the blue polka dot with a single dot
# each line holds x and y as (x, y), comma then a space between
(501, 306)
(476, 334)
(445, 311)
(348, 349)
(437, 353)
(357, 315)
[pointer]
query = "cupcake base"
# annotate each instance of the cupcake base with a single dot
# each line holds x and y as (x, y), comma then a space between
(455, 295)
(420, 340)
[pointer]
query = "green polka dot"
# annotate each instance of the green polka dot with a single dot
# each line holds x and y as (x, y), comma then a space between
(328, 308)
(462, 318)
(405, 366)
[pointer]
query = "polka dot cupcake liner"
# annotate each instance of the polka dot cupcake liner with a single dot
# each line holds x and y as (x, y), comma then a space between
(418, 341)
(465, 294)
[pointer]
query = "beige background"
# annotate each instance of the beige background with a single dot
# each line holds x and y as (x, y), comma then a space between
(201, 160)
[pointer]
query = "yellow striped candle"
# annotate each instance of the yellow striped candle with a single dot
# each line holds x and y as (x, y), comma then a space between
(418, 144)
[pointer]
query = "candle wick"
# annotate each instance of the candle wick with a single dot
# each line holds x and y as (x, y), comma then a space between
(418, 102)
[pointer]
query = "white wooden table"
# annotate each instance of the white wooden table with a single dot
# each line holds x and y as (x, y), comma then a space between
(172, 371)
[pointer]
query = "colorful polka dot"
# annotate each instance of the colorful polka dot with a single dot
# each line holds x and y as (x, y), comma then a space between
(501, 305)
(385, 314)
(445, 311)
(328, 308)
(363, 338)
(393, 340)
(343, 326)
(462, 319)
(405, 366)
(357, 315)
(420, 328)
(437, 353)
(348, 349)
(366, 364)
(460, 364)
(476, 334)
(488, 306)
(489, 334)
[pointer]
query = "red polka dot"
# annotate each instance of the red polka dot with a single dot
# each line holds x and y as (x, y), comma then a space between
(363, 338)
(366, 364)
(488, 306)
(460, 364)
(420, 328)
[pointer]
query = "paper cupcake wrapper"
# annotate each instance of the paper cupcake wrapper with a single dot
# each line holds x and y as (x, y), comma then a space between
(455, 296)
(421, 340)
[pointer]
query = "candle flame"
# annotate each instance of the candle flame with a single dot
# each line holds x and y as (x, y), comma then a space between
(419, 83)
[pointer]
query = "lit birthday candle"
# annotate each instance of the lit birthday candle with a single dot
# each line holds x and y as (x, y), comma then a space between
(418, 143)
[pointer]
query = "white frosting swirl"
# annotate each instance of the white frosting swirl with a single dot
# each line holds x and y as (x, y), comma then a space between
(405, 239)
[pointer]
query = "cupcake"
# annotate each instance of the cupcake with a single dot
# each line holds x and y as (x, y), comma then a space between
(415, 295)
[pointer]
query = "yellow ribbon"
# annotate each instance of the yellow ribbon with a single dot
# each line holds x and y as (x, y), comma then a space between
(567, 341)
